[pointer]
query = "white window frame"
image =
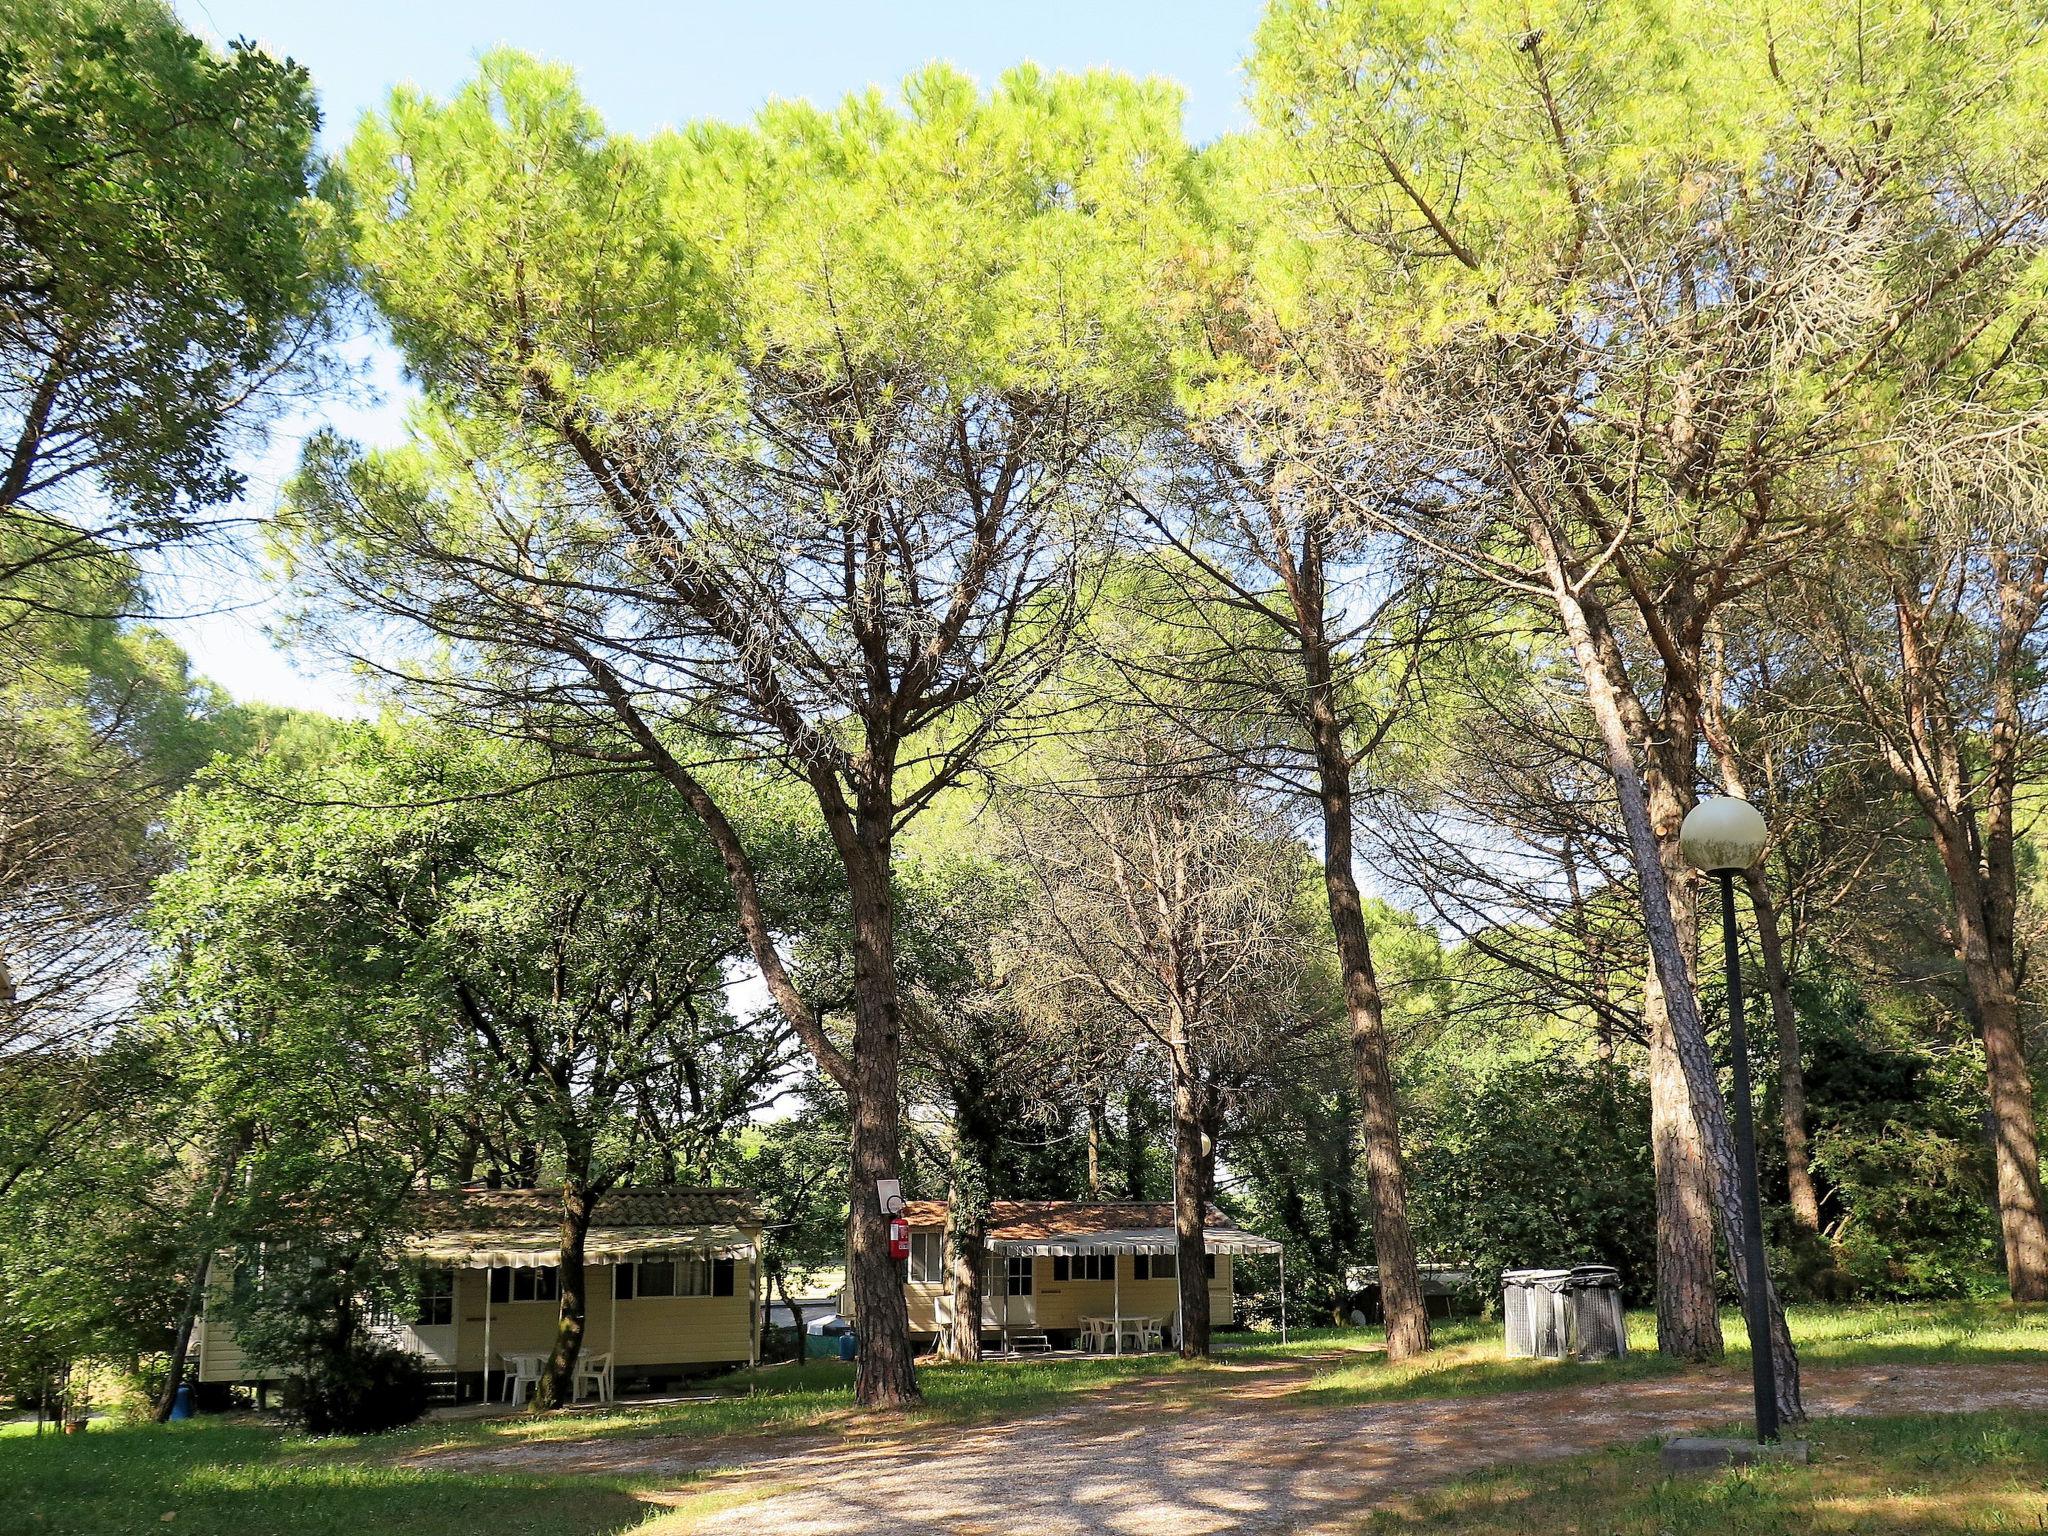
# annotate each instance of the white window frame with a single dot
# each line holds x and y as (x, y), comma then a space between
(436, 1294)
(927, 1258)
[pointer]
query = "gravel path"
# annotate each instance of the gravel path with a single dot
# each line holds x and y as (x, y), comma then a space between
(1247, 1458)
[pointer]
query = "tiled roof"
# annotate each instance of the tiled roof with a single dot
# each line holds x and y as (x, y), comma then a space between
(540, 1210)
(1014, 1220)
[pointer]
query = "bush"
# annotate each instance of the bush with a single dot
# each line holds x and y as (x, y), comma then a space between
(302, 1314)
(1534, 1162)
(1899, 1156)
(363, 1388)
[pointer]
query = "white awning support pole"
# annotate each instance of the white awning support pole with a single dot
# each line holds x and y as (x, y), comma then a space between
(611, 1366)
(1116, 1302)
(1283, 1295)
(754, 1328)
(487, 1333)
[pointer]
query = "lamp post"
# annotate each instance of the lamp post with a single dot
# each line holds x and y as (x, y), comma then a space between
(1723, 837)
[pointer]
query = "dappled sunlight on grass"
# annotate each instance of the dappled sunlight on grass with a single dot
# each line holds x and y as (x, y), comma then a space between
(1933, 1333)
(215, 1479)
(1885, 1477)
(1316, 1367)
(242, 1478)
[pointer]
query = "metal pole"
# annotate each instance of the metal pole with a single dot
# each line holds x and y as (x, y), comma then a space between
(1757, 1311)
(487, 1332)
(758, 1296)
(1116, 1302)
(1283, 1295)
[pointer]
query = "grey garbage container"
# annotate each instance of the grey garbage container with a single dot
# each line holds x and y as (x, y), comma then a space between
(1592, 1294)
(1532, 1302)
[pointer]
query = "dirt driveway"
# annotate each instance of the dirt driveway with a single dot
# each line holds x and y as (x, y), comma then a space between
(1246, 1458)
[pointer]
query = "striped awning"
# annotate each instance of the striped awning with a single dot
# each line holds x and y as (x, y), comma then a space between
(478, 1249)
(1136, 1240)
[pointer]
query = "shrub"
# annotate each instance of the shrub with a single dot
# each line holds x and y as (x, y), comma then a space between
(363, 1388)
(301, 1312)
(1534, 1162)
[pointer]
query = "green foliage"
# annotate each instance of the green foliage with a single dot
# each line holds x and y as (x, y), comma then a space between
(157, 259)
(299, 1308)
(1899, 1150)
(1526, 1162)
(410, 898)
(950, 239)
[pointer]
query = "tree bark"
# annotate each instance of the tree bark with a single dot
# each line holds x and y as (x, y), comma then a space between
(1407, 1309)
(1802, 1197)
(1972, 820)
(556, 1388)
(884, 1371)
(1688, 1301)
(1097, 1119)
(2015, 1136)
(1188, 1217)
(1800, 1193)
(966, 1239)
(1667, 954)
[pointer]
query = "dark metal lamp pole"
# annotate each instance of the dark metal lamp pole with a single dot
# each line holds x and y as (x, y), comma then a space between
(1723, 836)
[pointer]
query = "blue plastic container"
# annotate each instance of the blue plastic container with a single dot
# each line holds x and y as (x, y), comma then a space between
(181, 1404)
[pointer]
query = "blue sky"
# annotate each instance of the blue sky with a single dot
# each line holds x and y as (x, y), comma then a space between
(644, 66)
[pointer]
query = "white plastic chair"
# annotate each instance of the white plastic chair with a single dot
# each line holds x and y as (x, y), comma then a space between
(594, 1371)
(521, 1378)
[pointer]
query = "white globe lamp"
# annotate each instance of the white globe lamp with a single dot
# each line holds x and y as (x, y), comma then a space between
(1722, 835)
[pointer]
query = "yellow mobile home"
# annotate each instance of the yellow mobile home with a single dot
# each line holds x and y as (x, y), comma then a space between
(673, 1286)
(1093, 1274)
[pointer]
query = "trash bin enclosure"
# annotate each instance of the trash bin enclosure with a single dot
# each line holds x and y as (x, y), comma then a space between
(1552, 1314)
(1531, 1301)
(1599, 1331)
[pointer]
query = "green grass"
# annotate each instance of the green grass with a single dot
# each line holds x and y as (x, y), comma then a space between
(1873, 1477)
(249, 1480)
(1467, 1359)
(1926, 1334)
(208, 1478)
(1342, 1366)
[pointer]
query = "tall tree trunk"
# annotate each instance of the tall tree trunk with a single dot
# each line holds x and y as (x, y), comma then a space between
(1188, 1216)
(1804, 1200)
(1668, 955)
(1994, 1001)
(1688, 1304)
(2016, 1141)
(1971, 818)
(1306, 581)
(885, 1373)
(195, 1288)
(1800, 1194)
(966, 1240)
(1407, 1308)
(1097, 1122)
(556, 1388)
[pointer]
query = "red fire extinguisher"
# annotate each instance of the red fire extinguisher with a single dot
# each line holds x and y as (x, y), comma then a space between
(899, 1238)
